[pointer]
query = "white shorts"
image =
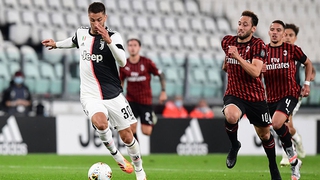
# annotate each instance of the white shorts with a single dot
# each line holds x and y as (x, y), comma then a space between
(117, 110)
(295, 110)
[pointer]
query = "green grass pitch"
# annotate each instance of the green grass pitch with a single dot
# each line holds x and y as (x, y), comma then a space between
(157, 167)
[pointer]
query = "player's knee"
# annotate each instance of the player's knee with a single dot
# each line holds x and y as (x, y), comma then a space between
(232, 118)
(264, 136)
(100, 121)
(126, 135)
(276, 125)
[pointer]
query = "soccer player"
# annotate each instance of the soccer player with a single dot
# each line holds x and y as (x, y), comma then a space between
(291, 33)
(245, 94)
(100, 89)
(282, 89)
(137, 72)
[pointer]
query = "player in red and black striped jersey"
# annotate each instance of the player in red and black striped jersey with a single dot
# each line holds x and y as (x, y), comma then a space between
(282, 89)
(245, 93)
(137, 72)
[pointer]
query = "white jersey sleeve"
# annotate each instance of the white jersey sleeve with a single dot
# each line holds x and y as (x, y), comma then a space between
(116, 48)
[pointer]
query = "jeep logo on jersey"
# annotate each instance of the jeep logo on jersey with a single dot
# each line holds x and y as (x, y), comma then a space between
(87, 56)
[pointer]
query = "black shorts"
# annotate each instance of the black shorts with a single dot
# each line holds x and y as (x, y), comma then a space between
(143, 111)
(257, 112)
(285, 105)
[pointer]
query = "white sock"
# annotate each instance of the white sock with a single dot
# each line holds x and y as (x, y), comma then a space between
(106, 138)
(134, 152)
(284, 154)
(296, 137)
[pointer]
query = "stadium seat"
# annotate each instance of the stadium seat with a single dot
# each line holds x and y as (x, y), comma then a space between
(191, 7)
(183, 24)
(11, 3)
(210, 25)
(16, 36)
(26, 4)
(188, 42)
(68, 5)
(154, 56)
(179, 58)
(13, 53)
(53, 56)
(14, 67)
(147, 41)
(58, 20)
(223, 25)
(43, 19)
(113, 22)
(137, 6)
(61, 34)
(175, 41)
(111, 7)
(161, 41)
(166, 58)
(72, 21)
(208, 60)
(124, 6)
(199, 75)
(155, 86)
(156, 23)
(13, 16)
(40, 4)
(152, 7)
(194, 60)
(81, 5)
(178, 8)
(170, 24)
(29, 55)
(202, 42)
(55, 5)
(29, 18)
(143, 23)
(5, 77)
(215, 42)
(165, 7)
(33, 79)
(128, 22)
(47, 72)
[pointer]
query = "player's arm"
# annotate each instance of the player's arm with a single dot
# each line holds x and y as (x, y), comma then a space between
(253, 69)
(163, 94)
(308, 74)
(51, 44)
(225, 65)
(313, 75)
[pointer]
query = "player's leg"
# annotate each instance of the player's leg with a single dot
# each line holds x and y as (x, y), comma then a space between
(121, 117)
(295, 135)
(258, 115)
(269, 147)
(284, 108)
(146, 119)
(98, 115)
(135, 109)
(232, 112)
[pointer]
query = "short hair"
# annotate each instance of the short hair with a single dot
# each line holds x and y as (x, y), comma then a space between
(293, 27)
(97, 7)
(280, 22)
(134, 39)
(254, 17)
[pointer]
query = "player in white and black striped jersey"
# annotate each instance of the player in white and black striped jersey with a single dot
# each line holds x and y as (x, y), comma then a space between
(100, 88)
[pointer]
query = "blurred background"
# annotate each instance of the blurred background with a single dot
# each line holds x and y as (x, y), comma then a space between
(181, 36)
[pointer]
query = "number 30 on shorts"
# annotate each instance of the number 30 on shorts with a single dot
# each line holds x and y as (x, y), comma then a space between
(127, 112)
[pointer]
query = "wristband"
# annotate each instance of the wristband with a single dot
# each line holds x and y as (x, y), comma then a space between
(307, 83)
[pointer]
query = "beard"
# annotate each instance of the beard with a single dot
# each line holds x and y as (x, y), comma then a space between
(244, 36)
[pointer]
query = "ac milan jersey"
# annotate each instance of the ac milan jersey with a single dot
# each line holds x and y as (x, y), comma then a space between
(280, 77)
(98, 69)
(138, 77)
(240, 83)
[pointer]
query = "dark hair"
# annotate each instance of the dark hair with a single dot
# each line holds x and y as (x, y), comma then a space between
(293, 27)
(134, 39)
(97, 7)
(280, 22)
(254, 18)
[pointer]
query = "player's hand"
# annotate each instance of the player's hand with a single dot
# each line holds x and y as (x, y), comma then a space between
(162, 97)
(49, 43)
(305, 91)
(264, 68)
(233, 52)
(104, 33)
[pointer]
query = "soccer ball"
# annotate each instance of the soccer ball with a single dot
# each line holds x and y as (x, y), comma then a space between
(100, 171)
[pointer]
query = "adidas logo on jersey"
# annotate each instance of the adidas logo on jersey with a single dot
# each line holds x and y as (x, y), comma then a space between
(11, 140)
(93, 57)
(191, 142)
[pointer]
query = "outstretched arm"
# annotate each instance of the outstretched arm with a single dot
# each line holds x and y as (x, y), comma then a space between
(51, 44)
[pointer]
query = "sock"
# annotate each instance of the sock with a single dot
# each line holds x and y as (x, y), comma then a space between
(134, 152)
(285, 138)
(232, 131)
(296, 137)
(269, 148)
(106, 138)
(284, 154)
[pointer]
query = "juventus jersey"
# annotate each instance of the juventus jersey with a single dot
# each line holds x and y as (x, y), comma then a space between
(98, 69)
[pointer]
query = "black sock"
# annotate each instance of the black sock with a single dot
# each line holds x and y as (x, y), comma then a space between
(135, 136)
(284, 136)
(269, 148)
(232, 131)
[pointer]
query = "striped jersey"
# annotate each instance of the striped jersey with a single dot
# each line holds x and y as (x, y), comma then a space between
(280, 77)
(240, 83)
(98, 69)
(138, 78)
